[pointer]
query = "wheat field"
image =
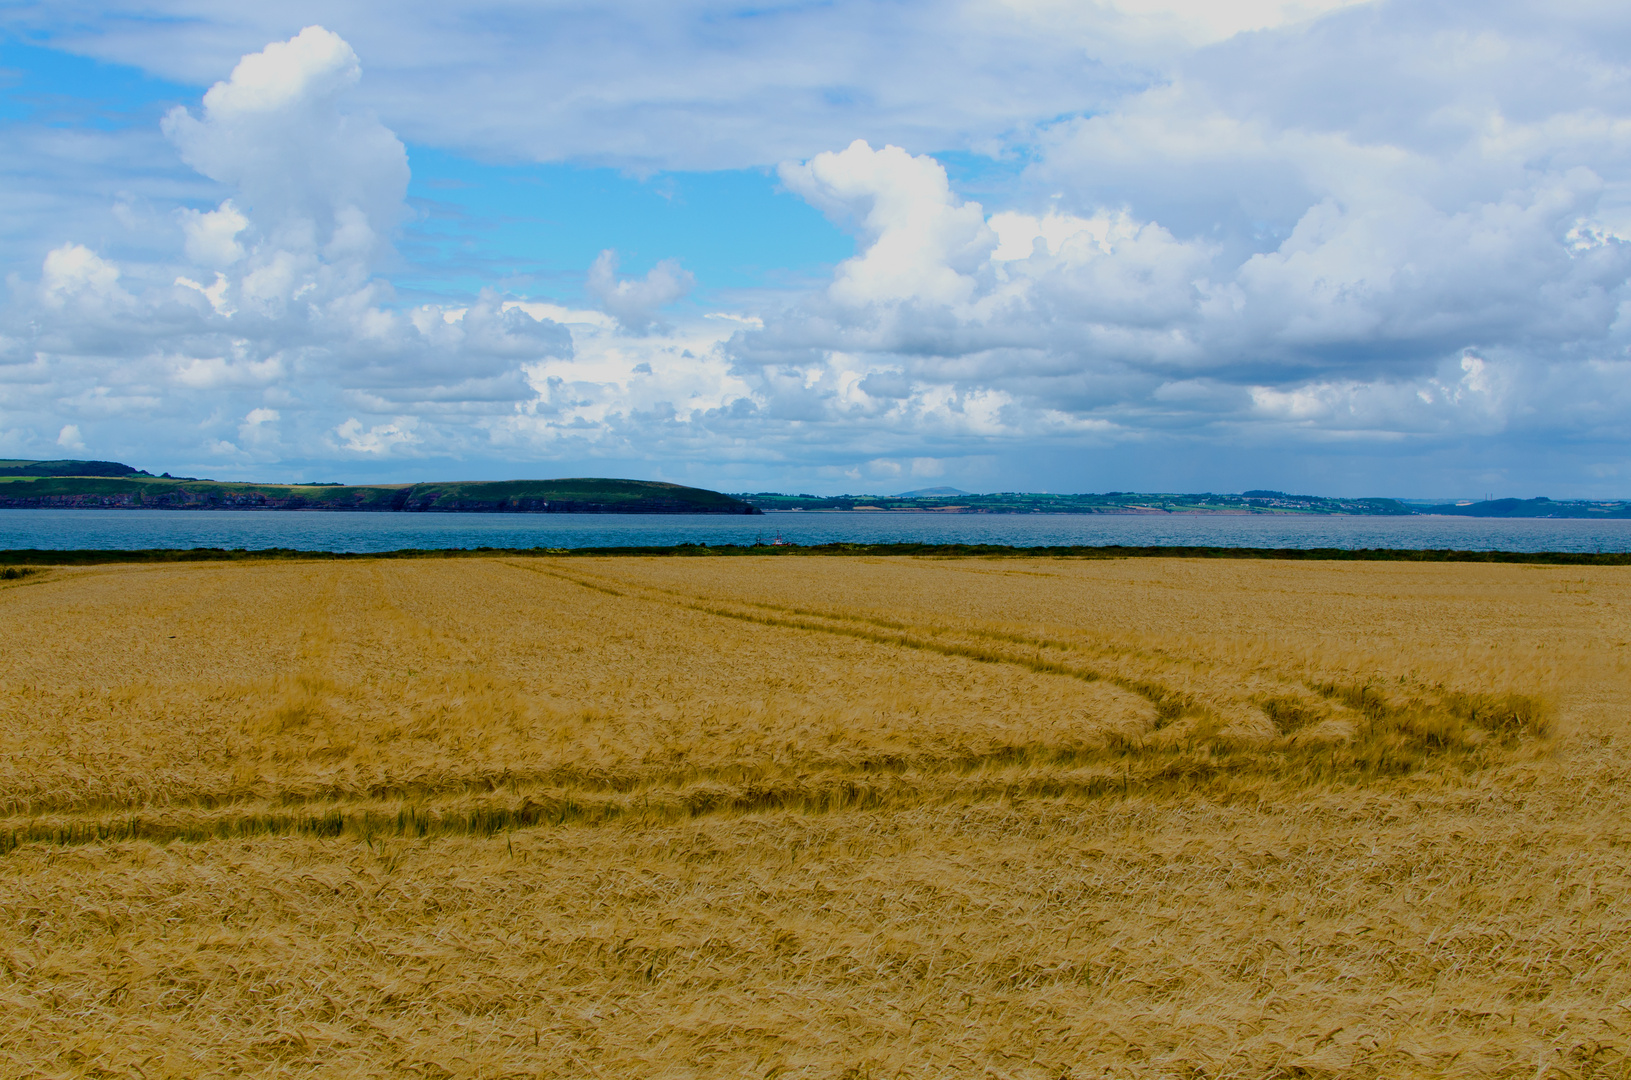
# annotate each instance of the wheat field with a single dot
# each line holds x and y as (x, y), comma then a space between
(815, 817)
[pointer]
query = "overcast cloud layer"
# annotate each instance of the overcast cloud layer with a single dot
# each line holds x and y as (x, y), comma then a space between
(1366, 248)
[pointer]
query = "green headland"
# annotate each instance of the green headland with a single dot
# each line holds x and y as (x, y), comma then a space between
(70, 484)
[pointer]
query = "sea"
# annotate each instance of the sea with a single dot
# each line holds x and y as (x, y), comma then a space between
(321, 530)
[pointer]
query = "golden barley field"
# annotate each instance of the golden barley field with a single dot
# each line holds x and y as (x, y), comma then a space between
(836, 817)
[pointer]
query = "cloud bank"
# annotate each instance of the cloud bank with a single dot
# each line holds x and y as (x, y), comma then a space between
(277, 342)
(1378, 247)
(689, 84)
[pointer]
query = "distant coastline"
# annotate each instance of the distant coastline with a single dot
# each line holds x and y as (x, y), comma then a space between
(1256, 502)
(111, 485)
(56, 485)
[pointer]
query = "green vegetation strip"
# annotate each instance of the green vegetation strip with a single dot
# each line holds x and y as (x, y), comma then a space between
(33, 557)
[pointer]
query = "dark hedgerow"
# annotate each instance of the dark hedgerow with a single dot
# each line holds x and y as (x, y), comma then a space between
(82, 557)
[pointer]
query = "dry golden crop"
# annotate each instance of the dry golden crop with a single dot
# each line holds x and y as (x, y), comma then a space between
(815, 817)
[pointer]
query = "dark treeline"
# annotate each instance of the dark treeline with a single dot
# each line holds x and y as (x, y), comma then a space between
(86, 557)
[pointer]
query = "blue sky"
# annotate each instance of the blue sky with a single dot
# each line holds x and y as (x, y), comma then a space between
(479, 223)
(47, 86)
(1331, 245)
(537, 226)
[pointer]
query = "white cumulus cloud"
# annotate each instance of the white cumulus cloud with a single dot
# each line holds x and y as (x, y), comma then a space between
(212, 235)
(319, 173)
(1280, 244)
(921, 241)
(634, 301)
(289, 328)
(75, 272)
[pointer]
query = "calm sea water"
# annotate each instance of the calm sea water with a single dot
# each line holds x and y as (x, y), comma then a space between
(319, 530)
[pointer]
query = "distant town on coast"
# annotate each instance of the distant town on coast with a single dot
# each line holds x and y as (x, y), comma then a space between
(77, 484)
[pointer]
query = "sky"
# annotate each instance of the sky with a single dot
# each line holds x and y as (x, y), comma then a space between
(1333, 246)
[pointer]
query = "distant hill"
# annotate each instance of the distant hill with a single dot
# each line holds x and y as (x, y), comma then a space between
(1256, 501)
(1114, 502)
(140, 490)
(68, 468)
(1531, 508)
(111, 484)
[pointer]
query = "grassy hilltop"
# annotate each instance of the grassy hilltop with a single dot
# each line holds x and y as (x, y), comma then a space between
(51, 484)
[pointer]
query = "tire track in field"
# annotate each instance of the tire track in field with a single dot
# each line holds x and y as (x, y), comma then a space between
(315, 700)
(888, 633)
(522, 798)
(483, 802)
(1170, 703)
(984, 779)
(1245, 702)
